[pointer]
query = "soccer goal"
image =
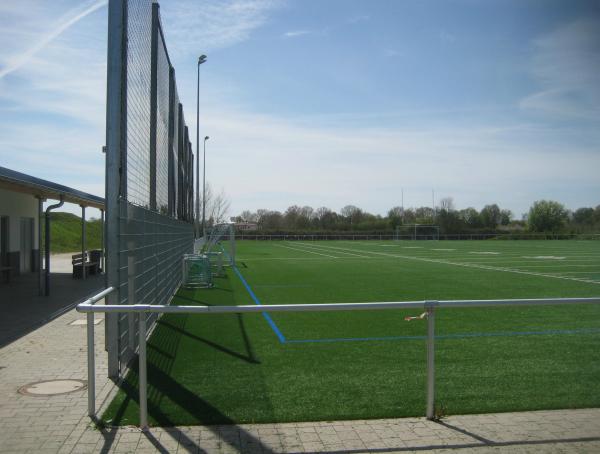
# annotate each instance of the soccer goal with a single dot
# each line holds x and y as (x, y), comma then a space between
(196, 271)
(220, 246)
(417, 232)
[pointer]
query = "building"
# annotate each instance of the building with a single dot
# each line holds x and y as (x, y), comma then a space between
(21, 208)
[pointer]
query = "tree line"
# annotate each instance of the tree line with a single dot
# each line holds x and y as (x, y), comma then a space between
(543, 216)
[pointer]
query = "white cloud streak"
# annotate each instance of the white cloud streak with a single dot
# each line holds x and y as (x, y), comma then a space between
(566, 64)
(68, 20)
(296, 33)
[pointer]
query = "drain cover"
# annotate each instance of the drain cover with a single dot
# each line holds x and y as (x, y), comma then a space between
(52, 387)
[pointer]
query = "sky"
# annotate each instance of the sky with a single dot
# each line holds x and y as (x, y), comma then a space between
(330, 103)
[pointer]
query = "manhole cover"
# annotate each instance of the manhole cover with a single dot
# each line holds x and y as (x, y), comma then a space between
(52, 387)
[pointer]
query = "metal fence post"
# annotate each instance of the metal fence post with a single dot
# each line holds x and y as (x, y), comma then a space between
(143, 373)
(91, 366)
(430, 412)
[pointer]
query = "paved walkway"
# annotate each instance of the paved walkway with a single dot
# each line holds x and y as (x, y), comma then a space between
(23, 309)
(59, 424)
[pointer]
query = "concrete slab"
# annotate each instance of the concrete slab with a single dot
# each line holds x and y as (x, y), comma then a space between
(83, 322)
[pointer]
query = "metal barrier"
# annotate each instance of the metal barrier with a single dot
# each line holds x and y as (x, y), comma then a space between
(381, 236)
(89, 308)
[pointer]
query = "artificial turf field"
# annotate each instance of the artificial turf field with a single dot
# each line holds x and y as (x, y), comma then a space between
(231, 368)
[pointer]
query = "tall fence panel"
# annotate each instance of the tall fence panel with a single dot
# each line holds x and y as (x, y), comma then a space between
(149, 180)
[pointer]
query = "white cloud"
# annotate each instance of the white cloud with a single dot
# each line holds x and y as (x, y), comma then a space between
(52, 98)
(566, 64)
(296, 33)
(201, 26)
(265, 161)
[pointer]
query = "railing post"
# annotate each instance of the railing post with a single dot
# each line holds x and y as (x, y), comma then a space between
(143, 373)
(430, 412)
(91, 366)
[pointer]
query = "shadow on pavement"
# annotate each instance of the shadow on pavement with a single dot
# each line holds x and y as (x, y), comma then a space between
(23, 310)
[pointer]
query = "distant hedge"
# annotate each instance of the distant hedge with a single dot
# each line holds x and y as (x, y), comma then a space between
(65, 231)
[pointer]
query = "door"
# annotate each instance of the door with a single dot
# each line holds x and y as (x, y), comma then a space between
(26, 249)
(3, 240)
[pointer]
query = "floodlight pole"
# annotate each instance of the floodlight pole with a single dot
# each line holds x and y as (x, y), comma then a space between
(204, 189)
(201, 60)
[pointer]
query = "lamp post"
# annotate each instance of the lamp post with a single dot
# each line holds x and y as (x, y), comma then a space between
(204, 190)
(201, 60)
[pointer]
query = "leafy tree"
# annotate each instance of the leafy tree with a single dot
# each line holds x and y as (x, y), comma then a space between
(248, 216)
(584, 216)
(269, 220)
(547, 216)
(470, 216)
(447, 204)
(351, 213)
(409, 216)
(505, 217)
(490, 216)
(330, 220)
(424, 215)
(395, 216)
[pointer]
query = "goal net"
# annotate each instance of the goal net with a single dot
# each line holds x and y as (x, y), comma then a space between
(219, 246)
(417, 232)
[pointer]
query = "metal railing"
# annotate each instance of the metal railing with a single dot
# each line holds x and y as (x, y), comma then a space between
(385, 236)
(430, 307)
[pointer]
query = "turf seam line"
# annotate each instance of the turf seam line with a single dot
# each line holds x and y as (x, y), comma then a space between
(446, 336)
(341, 252)
(267, 317)
(467, 265)
(304, 250)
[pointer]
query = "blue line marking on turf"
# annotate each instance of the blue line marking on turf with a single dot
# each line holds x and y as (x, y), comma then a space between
(267, 317)
(283, 340)
(447, 336)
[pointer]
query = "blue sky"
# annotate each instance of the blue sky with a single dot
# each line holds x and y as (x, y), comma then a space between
(328, 103)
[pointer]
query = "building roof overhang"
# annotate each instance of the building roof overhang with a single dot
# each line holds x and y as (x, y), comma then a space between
(20, 182)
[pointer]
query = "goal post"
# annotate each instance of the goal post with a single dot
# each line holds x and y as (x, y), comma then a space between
(417, 232)
(221, 240)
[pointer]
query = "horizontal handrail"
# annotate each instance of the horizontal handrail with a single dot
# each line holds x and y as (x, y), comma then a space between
(429, 306)
(97, 297)
(88, 306)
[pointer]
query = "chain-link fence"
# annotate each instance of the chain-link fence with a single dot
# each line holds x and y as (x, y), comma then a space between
(149, 179)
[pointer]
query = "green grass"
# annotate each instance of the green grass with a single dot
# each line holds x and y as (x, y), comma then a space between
(65, 231)
(217, 369)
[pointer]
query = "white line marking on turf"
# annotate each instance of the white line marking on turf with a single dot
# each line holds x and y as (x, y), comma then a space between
(485, 253)
(468, 265)
(319, 248)
(304, 250)
(544, 257)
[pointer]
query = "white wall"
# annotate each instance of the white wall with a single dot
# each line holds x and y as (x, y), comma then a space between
(16, 205)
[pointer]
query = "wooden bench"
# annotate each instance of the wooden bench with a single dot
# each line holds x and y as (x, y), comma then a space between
(83, 260)
(6, 271)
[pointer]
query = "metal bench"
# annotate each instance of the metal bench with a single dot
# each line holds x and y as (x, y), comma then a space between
(83, 260)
